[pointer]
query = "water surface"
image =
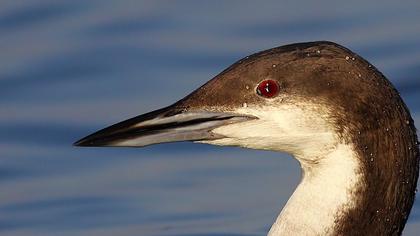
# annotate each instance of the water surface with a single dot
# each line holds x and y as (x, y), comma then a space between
(68, 68)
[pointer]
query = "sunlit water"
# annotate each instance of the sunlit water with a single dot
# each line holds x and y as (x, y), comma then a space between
(68, 68)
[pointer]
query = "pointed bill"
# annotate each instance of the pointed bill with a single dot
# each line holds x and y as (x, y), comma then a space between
(169, 124)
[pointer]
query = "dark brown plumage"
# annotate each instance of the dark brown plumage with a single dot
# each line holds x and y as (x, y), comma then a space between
(365, 109)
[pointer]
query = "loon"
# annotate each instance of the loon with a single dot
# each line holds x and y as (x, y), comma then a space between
(325, 105)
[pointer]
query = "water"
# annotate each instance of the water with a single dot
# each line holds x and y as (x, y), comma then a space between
(71, 67)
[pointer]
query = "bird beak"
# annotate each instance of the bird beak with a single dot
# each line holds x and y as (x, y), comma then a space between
(170, 124)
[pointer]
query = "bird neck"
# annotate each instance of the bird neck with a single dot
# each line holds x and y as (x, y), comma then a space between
(325, 194)
(363, 186)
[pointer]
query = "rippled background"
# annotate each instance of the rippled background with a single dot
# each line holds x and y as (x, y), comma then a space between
(68, 68)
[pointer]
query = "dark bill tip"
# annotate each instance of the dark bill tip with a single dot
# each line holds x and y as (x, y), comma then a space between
(84, 143)
(79, 143)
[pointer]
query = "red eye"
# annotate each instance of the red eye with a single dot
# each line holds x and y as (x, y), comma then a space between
(268, 88)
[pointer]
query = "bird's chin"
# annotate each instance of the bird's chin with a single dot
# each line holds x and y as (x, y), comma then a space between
(219, 142)
(232, 142)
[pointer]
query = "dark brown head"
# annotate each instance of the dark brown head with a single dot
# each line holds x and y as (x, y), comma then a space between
(304, 99)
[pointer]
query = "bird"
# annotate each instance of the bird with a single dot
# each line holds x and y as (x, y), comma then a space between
(328, 107)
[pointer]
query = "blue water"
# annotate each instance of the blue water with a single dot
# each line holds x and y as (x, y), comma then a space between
(68, 68)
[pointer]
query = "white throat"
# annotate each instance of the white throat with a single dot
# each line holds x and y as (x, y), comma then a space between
(323, 196)
(330, 167)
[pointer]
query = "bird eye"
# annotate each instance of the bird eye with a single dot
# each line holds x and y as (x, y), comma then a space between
(268, 88)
